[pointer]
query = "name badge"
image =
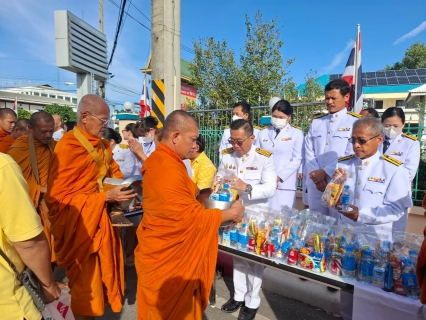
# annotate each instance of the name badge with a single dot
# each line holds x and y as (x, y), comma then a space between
(265, 140)
(251, 168)
(397, 153)
(230, 167)
(376, 179)
(344, 129)
(286, 139)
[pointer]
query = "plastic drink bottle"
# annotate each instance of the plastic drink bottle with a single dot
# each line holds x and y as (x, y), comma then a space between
(225, 193)
(366, 266)
(233, 237)
(379, 273)
(409, 279)
(345, 198)
(243, 238)
(349, 263)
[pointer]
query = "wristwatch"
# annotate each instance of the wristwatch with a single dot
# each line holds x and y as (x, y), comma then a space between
(249, 188)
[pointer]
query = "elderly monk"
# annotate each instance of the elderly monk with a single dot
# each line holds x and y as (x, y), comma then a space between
(8, 119)
(177, 251)
(21, 128)
(33, 154)
(86, 244)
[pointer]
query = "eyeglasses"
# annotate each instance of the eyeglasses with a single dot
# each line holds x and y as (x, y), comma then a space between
(239, 143)
(105, 122)
(361, 141)
(122, 131)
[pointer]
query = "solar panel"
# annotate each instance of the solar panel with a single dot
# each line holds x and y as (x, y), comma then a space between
(382, 82)
(392, 81)
(371, 82)
(370, 75)
(364, 82)
(400, 73)
(411, 72)
(421, 72)
(402, 80)
(389, 74)
(380, 74)
(414, 79)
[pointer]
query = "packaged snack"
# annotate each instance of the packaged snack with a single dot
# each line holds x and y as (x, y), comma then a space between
(334, 190)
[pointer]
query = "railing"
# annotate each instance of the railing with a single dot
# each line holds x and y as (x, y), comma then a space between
(212, 122)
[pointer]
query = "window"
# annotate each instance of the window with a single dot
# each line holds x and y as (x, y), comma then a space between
(74, 100)
(378, 104)
(52, 96)
(60, 97)
(36, 93)
(43, 94)
(68, 99)
(399, 103)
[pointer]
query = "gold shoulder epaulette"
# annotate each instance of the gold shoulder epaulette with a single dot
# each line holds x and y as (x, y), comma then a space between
(296, 127)
(346, 158)
(264, 152)
(124, 146)
(353, 114)
(257, 127)
(409, 136)
(227, 151)
(320, 115)
(391, 160)
(226, 127)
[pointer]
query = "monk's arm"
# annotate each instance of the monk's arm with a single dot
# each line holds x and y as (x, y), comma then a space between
(38, 247)
(235, 213)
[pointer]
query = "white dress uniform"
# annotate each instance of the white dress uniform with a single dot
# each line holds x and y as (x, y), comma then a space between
(57, 135)
(287, 149)
(224, 143)
(379, 188)
(327, 141)
(257, 169)
(126, 160)
(405, 148)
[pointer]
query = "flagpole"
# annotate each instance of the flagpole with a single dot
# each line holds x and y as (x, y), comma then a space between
(356, 69)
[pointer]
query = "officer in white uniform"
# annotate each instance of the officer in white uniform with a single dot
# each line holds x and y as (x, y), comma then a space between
(257, 180)
(401, 146)
(379, 187)
(327, 140)
(241, 110)
(126, 160)
(285, 141)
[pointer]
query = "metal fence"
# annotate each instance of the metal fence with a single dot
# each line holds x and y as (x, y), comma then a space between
(212, 122)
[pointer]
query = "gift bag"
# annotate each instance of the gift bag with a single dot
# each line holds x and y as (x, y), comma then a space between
(59, 309)
(334, 190)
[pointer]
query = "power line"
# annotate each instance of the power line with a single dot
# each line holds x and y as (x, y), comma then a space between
(139, 10)
(117, 31)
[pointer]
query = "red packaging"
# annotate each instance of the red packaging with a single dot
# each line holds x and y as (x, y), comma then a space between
(270, 250)
(293, 254)
(251, 244)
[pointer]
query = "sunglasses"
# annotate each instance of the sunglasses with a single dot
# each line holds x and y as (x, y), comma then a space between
(239, 143)
(361, 141)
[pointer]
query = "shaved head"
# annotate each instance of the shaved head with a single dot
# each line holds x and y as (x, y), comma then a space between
(8, 119)
(42, 125)
(180, 133)
(4, 112)
(21, 128)
(93, 115)
(179, 121)
(22, 124)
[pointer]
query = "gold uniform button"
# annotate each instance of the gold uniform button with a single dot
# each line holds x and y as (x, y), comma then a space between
(329, 132)
(326, 143)
(325, 154)
(360, 168)
(331, 120)
(323, 165)
(357, 196)
(366, 163)
(359, 182)
(241, 171)
(337, 115)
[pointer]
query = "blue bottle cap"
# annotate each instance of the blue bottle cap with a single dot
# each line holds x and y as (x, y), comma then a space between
(244, 225)
(349, 248)
(412, 253)
(346, 186)
(226, 186)
(406, 261)
(367, 252)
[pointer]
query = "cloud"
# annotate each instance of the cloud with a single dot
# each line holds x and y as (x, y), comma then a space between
(338, 58)
(412, 33)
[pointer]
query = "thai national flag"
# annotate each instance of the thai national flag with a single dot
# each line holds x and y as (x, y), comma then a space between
(355, 104)
(15, 104)
(144, 102)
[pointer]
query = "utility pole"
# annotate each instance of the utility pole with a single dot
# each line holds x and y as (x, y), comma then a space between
(165, 63)
(101, 83)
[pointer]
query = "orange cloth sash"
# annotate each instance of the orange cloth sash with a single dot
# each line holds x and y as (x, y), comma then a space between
(81, 226)
(5, 141)
(177, 251)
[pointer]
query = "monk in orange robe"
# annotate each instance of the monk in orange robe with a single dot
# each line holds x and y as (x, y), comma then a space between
(86, 244)
(21, 128)
(34, 152)
(177, 251)
(8, 119)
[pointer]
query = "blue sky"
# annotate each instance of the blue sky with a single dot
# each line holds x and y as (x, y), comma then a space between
(318, 33)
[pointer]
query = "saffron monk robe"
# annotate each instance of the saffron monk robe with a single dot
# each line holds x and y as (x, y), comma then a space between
(33, 154)
(86, 244)
(177, 251)
(8, 119)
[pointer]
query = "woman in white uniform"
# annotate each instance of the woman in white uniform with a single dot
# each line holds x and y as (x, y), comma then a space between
(401, 146)
(145, 130)
(285, 141)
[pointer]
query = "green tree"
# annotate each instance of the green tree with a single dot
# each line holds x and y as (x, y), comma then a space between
(65, 112)
(414, 58)
(23, 114)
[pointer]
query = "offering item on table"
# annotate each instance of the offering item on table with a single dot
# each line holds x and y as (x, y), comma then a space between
(333, 190)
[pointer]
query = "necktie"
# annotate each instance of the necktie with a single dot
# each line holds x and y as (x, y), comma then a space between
(385, 146)
(278, 132)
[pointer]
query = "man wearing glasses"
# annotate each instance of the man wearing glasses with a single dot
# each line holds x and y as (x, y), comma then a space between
(379, 184)
(327, 140)
(86, 244)
(254, 176)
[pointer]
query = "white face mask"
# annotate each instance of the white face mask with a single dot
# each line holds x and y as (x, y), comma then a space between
(278, 123)
(235, 117)
(392, 132)
(147, 139)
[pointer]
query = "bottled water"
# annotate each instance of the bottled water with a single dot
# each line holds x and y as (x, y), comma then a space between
(366, 266)
(409, 279)
(233, 237)
(274, 239)
(226, 237)
(225, 193)
(349, 263)
(379, 273)
(243, 238)
(345, 198)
